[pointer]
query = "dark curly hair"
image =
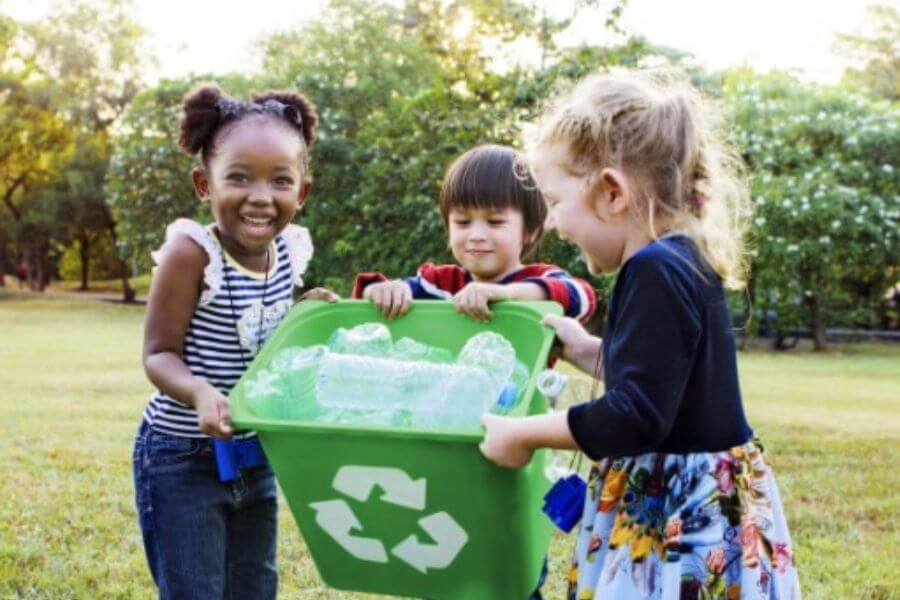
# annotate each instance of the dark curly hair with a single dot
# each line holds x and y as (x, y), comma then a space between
(208, 112)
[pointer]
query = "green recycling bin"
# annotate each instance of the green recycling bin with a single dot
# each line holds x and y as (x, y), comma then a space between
(411, 512)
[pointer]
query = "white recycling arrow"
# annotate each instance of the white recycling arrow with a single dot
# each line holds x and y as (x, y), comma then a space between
(338, 520)
(450, 538)
(399, 488)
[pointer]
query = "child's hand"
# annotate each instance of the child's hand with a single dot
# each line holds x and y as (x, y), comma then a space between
(503, 443)
(213, 415)
(320, 293)
(391, 298)
(578, 346)
(473, 299)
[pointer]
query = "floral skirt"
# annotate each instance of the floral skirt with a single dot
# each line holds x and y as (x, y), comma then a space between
(684, 526)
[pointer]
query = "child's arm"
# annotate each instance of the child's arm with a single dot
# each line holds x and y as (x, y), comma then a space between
(394, 297)
(578, 346)
(473, 299)
(391, 298)
(510, 442)
(575, 295)
(653, 350)
(538, 282)
(173, 298)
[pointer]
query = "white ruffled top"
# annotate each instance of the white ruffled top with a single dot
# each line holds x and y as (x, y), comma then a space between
(299, 246)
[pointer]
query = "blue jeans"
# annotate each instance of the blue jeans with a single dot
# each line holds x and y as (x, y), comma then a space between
(204, 538)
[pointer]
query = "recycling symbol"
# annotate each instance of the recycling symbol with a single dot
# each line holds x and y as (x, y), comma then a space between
(336, 518)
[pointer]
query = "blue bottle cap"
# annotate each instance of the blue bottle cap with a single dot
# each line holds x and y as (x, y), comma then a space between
(507, 397)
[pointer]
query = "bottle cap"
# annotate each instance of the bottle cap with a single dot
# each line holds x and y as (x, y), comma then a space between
(551, 383)
(507, 398)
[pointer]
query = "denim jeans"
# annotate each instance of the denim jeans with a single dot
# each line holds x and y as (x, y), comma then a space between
(204, 538)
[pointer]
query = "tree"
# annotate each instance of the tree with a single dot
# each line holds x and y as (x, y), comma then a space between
(826, 196)
(36, 140)
(878, 53)
(79, 203)
(89, 59)
(93, 55)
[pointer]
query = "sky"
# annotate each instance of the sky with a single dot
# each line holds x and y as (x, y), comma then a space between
(206, 36)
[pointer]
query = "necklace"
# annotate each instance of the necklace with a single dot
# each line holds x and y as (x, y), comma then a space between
(262, 307)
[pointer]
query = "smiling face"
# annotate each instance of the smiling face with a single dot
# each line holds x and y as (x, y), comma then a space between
(589, 216)
(487, 242)
(254, 182)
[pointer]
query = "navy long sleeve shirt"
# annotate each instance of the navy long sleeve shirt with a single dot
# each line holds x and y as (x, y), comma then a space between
(669, 360)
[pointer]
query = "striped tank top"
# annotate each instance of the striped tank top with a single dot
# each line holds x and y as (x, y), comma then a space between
(237, 310)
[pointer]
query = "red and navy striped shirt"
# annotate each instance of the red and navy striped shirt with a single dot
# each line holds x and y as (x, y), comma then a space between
(442, 282)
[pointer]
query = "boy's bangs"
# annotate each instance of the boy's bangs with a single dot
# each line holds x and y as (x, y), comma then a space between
(480, 185)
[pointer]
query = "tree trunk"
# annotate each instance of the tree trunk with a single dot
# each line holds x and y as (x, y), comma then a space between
(3, 257)
(128, 293)
(816, 322)
(33, 260)
(44, 267)
(85, 253)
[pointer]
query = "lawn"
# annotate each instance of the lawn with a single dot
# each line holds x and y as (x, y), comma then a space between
(73, 390)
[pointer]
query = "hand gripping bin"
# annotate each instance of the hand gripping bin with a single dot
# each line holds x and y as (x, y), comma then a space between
(411, 512)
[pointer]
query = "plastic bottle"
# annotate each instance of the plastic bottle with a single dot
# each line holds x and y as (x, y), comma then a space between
(368, 339)
(409, 349)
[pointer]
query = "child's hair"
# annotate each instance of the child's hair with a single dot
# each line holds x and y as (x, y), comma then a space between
(665, 138)
(208, 112)
(494, 177)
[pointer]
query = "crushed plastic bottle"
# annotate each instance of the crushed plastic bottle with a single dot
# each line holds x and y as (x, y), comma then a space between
(492, 352)
(368, 339)
(409, 349)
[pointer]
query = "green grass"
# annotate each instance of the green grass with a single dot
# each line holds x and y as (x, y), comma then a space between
(73, 391)
(109, 287)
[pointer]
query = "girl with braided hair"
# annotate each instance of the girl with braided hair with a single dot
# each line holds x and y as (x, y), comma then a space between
(681, 502)
(218, 291)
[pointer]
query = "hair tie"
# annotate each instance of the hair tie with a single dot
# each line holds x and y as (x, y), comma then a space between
(288, 112)
(292, 114)
(228, 107)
